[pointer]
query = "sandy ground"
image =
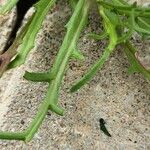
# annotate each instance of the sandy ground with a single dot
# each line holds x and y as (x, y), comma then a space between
(121, 99)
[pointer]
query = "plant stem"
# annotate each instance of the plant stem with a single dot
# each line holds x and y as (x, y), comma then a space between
(143, 12)
(111, 31)
(74, 30)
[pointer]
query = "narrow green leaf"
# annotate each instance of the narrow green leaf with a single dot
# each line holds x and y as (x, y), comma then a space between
(128, 35)
(42, 8)
(73, 3)
(12, 51)
(37, 77)
(135, 63)
(78, 55)
(98, 36)
(112, 16)
(111, 31)
(143, 25)
(8, 6)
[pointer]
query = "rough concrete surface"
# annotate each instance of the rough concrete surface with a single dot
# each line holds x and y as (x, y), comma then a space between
(123, 100)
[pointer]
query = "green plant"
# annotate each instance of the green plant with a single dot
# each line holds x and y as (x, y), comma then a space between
(120, 21)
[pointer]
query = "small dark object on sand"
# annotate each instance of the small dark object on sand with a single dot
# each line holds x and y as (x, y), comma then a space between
(103, 128)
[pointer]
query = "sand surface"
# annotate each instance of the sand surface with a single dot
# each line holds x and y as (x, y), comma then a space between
(123, 100)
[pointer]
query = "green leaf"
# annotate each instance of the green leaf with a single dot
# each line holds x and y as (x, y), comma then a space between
(130, 24)
(143, 25)
(12, 51)
(55, 75)
(126, 9)
(110, 28)
(112, 16)
(38, 77)
(78, 55)
(8, 6)
(42, 8)
(136, 66)
(73, 3)
(120, 2)
(97, 36)
(88, 76)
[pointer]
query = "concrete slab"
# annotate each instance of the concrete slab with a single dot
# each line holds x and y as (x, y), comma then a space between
(121, 99)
